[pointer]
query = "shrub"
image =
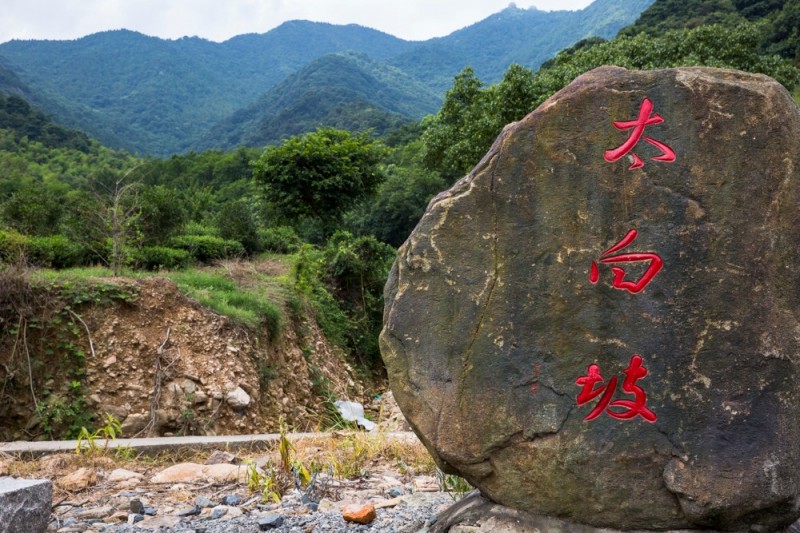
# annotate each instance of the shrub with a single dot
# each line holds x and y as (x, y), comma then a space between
(207, 248)
(56, 251)
(160, 257)
(13, 245)
(236, 221)
(280, 239)
(349, 303)
(162, 214)
(196, 228)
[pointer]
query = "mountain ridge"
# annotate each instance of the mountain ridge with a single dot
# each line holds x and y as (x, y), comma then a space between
(158, 97)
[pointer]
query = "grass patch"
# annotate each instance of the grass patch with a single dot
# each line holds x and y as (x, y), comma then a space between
(71, 274)
(255, 302)
(215, 290)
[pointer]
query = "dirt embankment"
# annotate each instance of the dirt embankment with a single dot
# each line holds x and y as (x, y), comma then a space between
(163, 364)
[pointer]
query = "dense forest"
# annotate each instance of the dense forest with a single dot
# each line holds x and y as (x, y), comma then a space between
(340, 199)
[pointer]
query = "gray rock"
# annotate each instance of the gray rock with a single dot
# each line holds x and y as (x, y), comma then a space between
(219, 512)
(136, 506)
(505, 346)
(270, 521)
(202, 501)
(189, 512)
(232, 500)
(238, 398)
(394, 492)
(221, 457)
(149, 511)
(25, 505)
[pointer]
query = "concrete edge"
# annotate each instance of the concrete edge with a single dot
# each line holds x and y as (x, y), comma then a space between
(155, 445)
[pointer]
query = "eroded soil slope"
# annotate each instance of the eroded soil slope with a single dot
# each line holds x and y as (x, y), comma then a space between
(163, 364)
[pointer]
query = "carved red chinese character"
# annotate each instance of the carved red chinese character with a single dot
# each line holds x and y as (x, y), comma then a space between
(638, 126)
(656, 263)
(631, 408)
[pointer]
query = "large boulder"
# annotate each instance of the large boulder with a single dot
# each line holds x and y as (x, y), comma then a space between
(601, 322)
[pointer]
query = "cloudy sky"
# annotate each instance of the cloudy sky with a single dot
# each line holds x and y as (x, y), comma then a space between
(221, 19)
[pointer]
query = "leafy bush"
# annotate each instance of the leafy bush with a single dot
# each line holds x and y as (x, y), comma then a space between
(13, 246)
(162, 214)
(207, 248)
(321, 174)
(160, 257)
(196, 228)
(344, 282)
(236, 221)
(280, 239)
(56, 251)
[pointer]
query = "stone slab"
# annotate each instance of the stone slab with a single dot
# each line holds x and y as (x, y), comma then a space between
(25, 505)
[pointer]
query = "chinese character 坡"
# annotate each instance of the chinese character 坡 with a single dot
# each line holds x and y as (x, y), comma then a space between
(630, 408)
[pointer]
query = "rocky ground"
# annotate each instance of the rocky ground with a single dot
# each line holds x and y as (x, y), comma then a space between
(391, 485)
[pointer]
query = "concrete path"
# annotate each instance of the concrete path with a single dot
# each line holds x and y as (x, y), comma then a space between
(156, 444)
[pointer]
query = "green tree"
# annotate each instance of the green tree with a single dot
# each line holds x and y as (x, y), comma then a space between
(471, 118)
(320, 175)
(236, 221)
(784, 34)
(454, 136)
(738, 47)
(399, 201)
(398, 205)
(513, 97)
(162, 214)
(34, 209)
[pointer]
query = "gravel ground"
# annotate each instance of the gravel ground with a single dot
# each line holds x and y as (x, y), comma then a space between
(416, 514)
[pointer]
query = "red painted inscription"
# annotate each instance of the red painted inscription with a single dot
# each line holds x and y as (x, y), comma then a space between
(656, 263)
(644, 119)
(629, 408)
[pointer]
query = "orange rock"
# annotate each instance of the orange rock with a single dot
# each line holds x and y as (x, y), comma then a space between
(360, 513)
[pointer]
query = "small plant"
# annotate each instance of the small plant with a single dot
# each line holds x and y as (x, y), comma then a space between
(274, 481)
(266, 483)
(124, 453)
(456, 486)
(87, 440)
(285, 447)
(266, 373)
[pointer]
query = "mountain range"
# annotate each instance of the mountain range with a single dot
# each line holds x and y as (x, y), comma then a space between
(158, 97)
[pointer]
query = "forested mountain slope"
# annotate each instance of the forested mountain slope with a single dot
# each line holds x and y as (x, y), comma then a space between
(524, 36)
(346, 90)
(157, 97)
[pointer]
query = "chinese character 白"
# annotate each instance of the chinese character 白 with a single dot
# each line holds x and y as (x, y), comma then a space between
(656, 263)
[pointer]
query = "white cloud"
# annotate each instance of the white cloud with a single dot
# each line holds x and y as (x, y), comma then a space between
(219, 20)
